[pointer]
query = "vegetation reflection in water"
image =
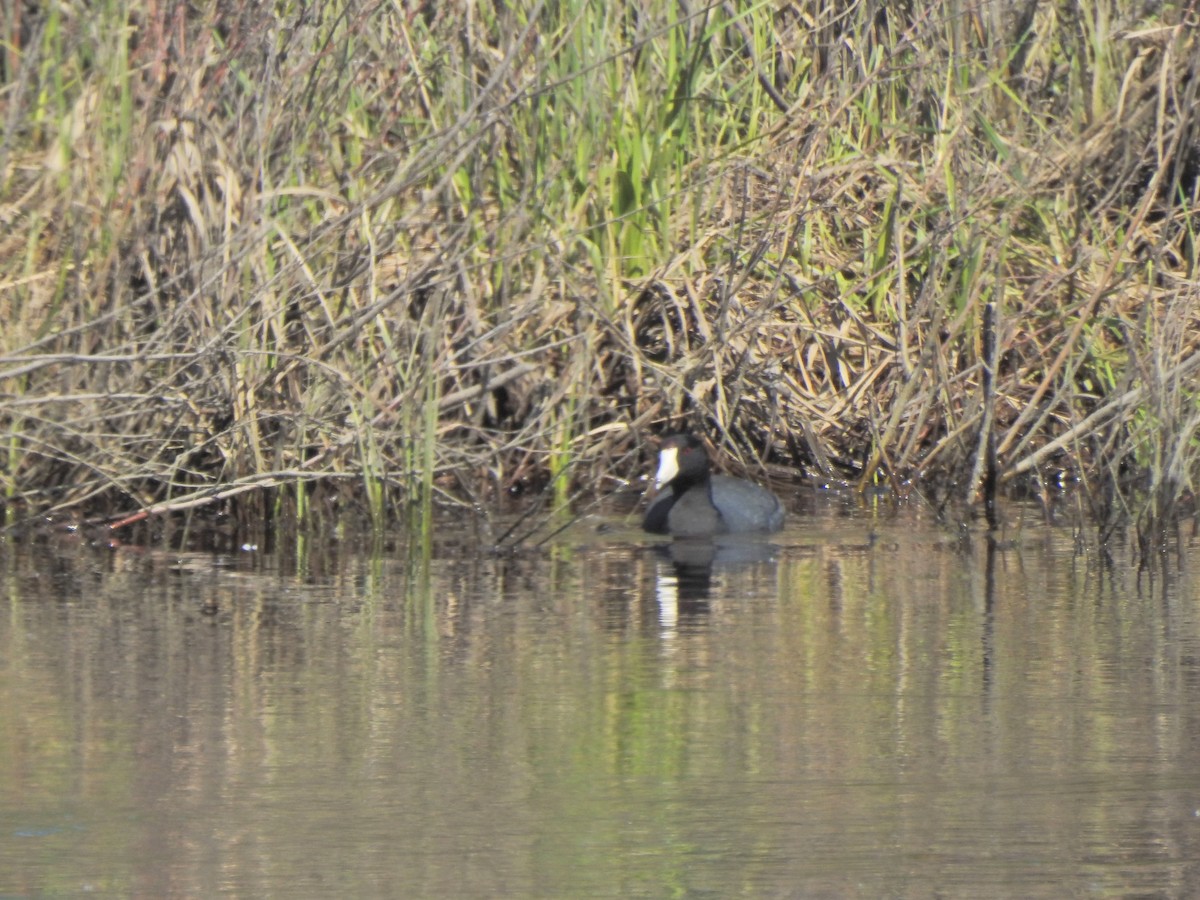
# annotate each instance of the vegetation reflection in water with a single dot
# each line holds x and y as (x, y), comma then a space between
(851, 708)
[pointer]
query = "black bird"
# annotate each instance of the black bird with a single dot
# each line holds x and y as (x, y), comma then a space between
(696, 503)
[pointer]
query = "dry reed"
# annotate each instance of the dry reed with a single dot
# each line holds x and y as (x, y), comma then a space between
(388, 253)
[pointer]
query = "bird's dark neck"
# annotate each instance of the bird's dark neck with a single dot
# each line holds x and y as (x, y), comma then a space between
(685, 481)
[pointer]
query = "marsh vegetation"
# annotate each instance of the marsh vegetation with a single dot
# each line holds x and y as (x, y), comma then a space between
(288, 260)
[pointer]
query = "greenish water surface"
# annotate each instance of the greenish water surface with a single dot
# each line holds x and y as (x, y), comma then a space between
(864, 705)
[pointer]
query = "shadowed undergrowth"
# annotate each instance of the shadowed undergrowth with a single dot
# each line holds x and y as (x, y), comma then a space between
(287, 260)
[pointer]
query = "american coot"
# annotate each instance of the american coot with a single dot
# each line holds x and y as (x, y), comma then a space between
(695, 503)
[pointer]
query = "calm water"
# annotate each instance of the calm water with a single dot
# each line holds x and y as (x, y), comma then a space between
(863, 706)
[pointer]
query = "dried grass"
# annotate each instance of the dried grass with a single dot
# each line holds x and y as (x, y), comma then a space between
(384, 254)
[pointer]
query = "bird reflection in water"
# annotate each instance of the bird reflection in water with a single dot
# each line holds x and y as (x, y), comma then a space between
(689, 567)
